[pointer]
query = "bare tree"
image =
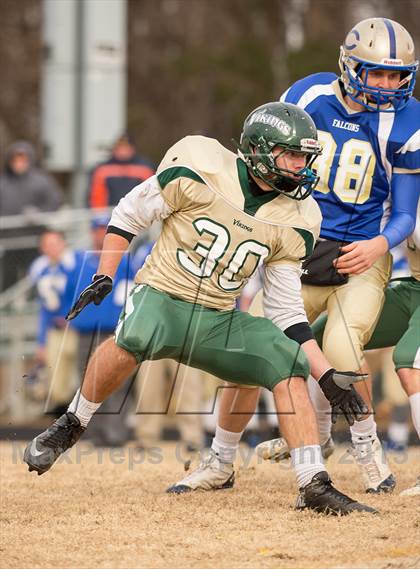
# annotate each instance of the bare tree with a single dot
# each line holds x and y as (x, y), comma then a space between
(21, 52)
(201, 65)
(193, 65)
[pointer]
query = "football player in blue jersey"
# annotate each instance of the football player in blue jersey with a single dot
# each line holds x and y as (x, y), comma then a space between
(56, 343)
(368, 123)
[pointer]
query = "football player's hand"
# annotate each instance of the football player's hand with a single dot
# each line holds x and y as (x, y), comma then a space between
(338, 389)
(101, 286)
(359, 256)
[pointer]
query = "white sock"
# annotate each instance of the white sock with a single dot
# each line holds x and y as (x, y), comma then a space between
(225, 444)
(398, 432)
(82, 408)
(307, 461)
(415, 411)
(322, 408)
(362, 430)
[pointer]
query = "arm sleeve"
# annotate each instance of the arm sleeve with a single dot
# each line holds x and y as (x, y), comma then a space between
(300, 333)
(405, 192)
(140, 208)
(282, 300)
(121, 232)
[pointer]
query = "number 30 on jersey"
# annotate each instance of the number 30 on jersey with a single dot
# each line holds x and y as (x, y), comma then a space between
(211, 255)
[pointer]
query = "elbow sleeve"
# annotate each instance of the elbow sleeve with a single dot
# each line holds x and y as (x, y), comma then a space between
(300, 333)
(399, 228)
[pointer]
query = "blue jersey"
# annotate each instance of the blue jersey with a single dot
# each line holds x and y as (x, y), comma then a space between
(53, 285)
(361, 153)
(141, 255)
(103, 317)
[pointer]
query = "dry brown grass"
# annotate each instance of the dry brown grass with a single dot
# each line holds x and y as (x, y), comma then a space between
(108, 515)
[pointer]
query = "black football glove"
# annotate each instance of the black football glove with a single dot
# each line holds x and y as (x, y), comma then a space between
(101, 286)
(338, 389)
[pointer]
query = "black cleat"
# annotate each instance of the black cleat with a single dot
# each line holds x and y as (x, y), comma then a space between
(321, 496)
(43, 451)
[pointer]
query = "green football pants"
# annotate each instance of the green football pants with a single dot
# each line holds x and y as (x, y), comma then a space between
(232, 345)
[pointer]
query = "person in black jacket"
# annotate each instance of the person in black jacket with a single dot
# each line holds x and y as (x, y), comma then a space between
(24, 189)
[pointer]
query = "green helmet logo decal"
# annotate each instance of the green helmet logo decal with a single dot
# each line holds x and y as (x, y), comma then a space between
(265, 118)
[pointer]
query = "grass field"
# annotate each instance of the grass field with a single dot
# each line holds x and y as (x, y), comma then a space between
(108, 509)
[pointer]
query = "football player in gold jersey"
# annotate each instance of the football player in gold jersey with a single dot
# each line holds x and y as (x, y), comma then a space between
(221, 214)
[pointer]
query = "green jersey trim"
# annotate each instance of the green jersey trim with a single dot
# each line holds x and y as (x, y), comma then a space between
(308, 239)
(172, 173)
(252, 203)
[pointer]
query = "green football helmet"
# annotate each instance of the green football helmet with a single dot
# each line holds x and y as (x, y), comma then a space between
(291, 128)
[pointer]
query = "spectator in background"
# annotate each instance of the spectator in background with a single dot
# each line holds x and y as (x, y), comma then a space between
(24, 189)
(113, 179)
(95, 325)
(56, 342)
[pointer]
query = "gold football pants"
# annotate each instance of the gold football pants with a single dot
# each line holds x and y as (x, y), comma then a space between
(353, 311)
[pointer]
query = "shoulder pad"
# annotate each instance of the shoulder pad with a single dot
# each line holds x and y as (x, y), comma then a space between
(409, 116)
(200, 153)
(301, 86)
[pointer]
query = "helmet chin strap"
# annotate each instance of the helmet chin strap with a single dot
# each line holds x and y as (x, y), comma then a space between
(279, 180)
(288, 185)
(289, 188)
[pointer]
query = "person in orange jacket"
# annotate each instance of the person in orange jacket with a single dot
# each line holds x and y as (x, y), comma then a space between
(113, 179)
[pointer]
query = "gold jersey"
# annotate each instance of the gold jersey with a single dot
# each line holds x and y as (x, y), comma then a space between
(220, 228)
